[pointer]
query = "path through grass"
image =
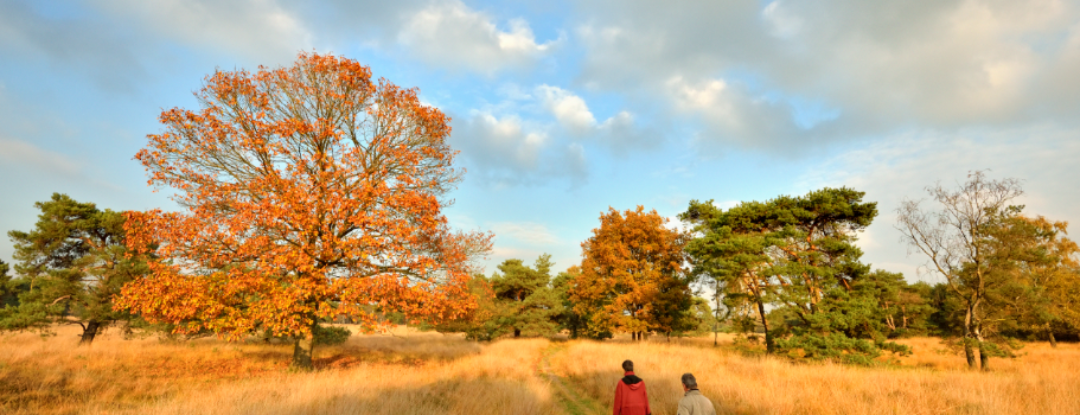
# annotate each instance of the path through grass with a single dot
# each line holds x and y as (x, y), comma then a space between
(572, 400)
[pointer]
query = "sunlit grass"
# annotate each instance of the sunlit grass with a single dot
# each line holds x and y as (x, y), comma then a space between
(933, 380)
(406, 372)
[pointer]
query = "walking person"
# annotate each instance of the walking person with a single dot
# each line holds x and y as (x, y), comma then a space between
(693, 402)
(630, 396)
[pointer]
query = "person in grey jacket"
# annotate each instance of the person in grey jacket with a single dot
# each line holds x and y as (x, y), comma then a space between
(693, 402)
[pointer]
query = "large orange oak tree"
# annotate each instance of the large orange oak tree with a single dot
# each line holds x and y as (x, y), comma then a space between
(633, 275)
(309, 192)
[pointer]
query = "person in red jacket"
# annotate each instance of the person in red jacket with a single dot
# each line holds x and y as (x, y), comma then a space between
(630, 396)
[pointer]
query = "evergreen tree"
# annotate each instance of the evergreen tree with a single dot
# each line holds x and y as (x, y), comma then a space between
(568, 318)
(9, 288)
(731, 248)
(72, 264)
(528, 305)
(798, 253)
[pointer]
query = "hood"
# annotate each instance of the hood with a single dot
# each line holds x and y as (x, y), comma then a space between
(632, 381)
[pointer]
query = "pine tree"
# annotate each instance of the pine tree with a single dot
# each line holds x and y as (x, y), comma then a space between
(528, 305)
(71, 266)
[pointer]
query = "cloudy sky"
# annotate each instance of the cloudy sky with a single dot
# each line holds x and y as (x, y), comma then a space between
(562, 109)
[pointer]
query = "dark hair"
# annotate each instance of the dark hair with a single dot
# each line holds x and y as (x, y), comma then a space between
(689, 380)
(628, 366)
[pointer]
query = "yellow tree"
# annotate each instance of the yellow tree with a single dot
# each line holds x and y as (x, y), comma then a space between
(1041, 266)
(632, 278)
(310, 192)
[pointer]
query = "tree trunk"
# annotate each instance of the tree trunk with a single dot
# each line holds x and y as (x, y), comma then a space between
(89, 332)
(765, 324)
(303, 349)
(1050, 335)
(969, 352)
(984, 358)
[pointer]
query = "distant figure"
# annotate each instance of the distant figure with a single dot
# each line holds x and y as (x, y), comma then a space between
(630, 396)
(693, 402)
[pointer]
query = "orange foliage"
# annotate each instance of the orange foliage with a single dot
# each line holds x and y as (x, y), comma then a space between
(310, 192)
(630, 277)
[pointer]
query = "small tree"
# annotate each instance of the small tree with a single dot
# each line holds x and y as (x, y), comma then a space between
(957, 242)
(71, 265)
(310, 191)
(529, 306)
(480, 323)
(569, 317)
(632, 277)
(10, 289)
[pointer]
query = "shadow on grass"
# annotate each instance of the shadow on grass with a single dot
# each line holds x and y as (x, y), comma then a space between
(410, 350)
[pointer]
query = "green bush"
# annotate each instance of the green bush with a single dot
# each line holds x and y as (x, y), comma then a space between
(326, 336)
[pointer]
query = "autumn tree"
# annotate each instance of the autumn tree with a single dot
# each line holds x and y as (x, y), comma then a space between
(957, 242)
(70, 266)
(480, 323)
(529, 305)
(1040, 265)
(308, 192)
(632, 276)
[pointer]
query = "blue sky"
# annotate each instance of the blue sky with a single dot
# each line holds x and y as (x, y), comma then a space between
(562, 109)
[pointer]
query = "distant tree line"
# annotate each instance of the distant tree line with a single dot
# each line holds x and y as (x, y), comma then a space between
(786, 271)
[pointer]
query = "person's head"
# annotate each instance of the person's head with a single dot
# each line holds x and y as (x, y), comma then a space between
(689, 381)
(628, 366)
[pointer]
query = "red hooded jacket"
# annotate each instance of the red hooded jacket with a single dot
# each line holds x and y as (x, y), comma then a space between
(630, 396)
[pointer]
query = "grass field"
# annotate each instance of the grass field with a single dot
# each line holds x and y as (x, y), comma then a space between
(406, 372)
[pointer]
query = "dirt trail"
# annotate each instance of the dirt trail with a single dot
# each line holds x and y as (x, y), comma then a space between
(573, 401)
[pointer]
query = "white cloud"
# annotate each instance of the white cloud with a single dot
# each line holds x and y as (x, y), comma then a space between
(528, 233)
(784, 23)
(751, 71)
(262, 30)
(905, 164)
(16, 152)
(569, 109)
(706, 98)
(450, 34)
(509, 151)
(620, 132)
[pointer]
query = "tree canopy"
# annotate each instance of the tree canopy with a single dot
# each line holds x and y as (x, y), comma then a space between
(632, 276)
(70, 266)
(309, 191)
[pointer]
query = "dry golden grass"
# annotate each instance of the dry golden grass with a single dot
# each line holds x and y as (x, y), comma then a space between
(931, 381)
(406, 372)
(402, 373)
